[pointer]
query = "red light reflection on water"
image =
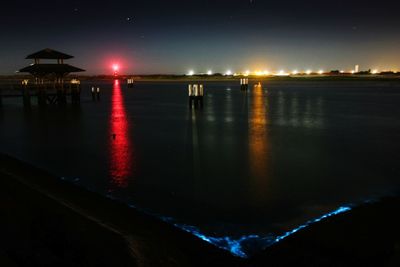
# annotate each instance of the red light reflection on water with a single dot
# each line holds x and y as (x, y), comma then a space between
(121, 150)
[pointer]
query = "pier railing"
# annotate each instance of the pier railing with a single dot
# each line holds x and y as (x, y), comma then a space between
(46, 92)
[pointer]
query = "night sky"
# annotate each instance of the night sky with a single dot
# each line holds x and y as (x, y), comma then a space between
(160, 36)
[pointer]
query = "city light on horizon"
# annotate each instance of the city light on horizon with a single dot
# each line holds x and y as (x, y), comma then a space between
(280, 72)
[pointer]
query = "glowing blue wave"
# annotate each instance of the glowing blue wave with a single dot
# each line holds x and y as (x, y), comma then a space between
(237, 246)
(242, 246)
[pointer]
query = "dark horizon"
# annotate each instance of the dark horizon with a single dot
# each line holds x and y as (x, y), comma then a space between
(178, 36)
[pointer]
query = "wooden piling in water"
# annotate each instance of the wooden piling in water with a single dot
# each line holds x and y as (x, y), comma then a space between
(130, 82)
(98, 93)
(201, 95)
(195, 93)
(42, 96)
(93, 93)
(190, 95)
(26, 96)
(244, 84)
(75, 94)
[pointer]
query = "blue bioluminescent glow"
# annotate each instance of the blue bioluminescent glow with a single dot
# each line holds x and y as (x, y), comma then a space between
(237, 245)
(243, 246)
(308, 223)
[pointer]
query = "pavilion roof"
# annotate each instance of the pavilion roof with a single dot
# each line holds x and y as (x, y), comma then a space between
(48, 54)
(45, 69)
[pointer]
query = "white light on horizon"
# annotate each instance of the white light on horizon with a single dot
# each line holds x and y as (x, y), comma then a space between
(320, 72)
(190, 73)
(209, 72)
(282, 73)
(295, 72)
(308, 72)
(228, 73)
(374, 71)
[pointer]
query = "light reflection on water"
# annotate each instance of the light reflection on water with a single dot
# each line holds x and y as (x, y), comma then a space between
(120, 143)
(258, 143)
(247, 169)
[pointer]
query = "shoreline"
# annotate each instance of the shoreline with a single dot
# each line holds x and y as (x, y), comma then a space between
(33, 198)
(180, 78)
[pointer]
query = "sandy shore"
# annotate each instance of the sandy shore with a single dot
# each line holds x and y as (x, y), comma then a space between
(48, 222)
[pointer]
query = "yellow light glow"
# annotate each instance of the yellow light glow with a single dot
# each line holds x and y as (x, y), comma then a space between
(281, 73)
(75, 81)
(228, 72)
(259, 73)
(308, 72)
(295, 72)
(247, 73)
(321, 72)
(374, 71)
(266, 72)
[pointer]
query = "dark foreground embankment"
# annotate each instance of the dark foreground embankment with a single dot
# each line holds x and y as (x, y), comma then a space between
(48, 222)
(369, 235)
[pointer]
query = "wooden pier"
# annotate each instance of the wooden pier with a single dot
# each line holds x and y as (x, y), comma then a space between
(49, 84)
(45, 94)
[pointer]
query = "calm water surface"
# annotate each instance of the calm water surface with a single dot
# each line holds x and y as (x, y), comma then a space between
(249, 166)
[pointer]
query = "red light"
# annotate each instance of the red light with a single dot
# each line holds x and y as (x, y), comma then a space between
(115, 67)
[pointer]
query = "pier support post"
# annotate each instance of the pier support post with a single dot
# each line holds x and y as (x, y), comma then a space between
(63, 95)
(98, 93)
(75, 94)
(201, 95)
(190, 95)
(244, 84)
(93, 93)
(42, 96)
(59, 96)
(130, 82)
(196, 95)
(26, 97)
